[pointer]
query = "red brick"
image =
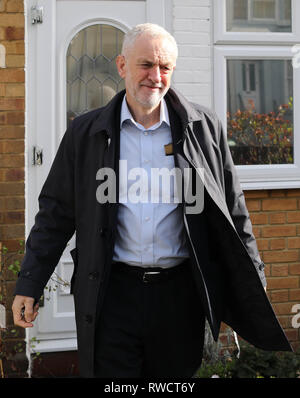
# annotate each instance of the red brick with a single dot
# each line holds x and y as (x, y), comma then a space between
(259, 218)
(12, 146)
(12, 20)
(285, 321)
(277, 218)
(294, 269)
(14, 47)
(2, 5)
(281, 256)
(277, 193)
(12, 75)
(279, 270)
(292, 334)
(14, 217)
(12, 160)
(256, 232)
(262, 244)
(12, 232)
(293, 217)
(283, 282)
(11, 188)
(294, 295)
(279, 204)
(13, 244)
(15, 90)
(11, 118)
(15, 61)
(14, 175)
(280, 296)
(277, 244)
(15, 6)
(14, 203)
(15, 118)
(293, 193)
(12, 132)
(256, 194)
(12, 33)
(278, 231)
(2, 90)
(282, 308)
(253, 205)
(293, 243)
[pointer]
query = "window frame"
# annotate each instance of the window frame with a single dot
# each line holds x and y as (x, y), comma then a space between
(257, 46)
(221, 36)
(259, 176)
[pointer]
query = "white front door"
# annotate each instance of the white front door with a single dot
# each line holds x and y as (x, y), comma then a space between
(70, 70)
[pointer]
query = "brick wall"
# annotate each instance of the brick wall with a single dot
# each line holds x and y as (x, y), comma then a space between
(275, 215)
(12, 105)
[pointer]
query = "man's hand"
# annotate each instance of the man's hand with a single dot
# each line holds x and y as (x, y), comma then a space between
(23, 311)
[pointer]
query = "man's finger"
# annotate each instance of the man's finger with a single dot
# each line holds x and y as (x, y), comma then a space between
(35, 311)
(28, 313)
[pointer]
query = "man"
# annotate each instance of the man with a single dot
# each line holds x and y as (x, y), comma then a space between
(148, 273)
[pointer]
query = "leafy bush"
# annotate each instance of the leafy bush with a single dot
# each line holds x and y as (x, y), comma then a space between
(258, 138)
(253, 363)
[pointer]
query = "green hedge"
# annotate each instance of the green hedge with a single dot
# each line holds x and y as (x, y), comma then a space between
(253, 363)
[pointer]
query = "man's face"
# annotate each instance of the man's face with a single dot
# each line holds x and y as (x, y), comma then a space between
(147, 69)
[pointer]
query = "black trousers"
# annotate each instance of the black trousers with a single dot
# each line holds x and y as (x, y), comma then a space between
(149, 329)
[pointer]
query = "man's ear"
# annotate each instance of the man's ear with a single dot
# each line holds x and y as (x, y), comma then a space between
(120, 62)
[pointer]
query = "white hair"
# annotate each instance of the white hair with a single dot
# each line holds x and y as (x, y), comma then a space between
(152, 30)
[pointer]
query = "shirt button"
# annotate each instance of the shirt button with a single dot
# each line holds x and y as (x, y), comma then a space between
(145, 132)
(147, 218)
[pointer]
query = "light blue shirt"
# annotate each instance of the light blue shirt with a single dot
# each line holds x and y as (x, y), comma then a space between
(149, 232)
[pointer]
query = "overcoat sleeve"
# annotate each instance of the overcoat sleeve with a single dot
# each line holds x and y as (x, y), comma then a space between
(236, 204)
(54, 223)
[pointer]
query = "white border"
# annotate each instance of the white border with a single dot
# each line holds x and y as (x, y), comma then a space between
(259, 176)
(272, 38)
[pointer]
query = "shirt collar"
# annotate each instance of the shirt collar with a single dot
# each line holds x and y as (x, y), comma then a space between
(126, 115)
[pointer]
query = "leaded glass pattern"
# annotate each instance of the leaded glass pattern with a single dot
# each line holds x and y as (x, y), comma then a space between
(92, 75)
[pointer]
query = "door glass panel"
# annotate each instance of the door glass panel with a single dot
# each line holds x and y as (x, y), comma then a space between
(258, 15)
(92, 76)
(259, 112)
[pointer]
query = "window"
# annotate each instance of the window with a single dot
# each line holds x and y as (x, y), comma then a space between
(258, 15)
(256, 89)
(92, 76)
(256, 21)
(259, 112)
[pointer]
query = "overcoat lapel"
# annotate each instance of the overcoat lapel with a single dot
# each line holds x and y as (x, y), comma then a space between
(108, 126)
(192, 149)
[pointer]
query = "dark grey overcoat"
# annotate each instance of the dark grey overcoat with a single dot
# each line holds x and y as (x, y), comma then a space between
(225, 261)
